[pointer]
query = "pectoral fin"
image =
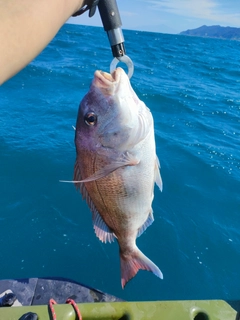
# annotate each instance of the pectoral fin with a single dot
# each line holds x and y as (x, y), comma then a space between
(127, 159)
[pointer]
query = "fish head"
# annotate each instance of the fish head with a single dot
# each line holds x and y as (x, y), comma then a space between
(108, 114)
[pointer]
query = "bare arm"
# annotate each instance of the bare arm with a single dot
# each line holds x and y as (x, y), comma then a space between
(27, 26)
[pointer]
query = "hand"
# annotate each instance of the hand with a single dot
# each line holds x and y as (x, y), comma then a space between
(27, 27)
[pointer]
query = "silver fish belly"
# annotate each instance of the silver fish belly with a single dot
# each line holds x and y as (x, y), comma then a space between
(117, 166)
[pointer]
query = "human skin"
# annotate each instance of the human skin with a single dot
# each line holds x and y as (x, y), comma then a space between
(27, 26)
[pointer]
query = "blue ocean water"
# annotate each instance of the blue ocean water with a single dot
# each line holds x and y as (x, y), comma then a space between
(192, 87)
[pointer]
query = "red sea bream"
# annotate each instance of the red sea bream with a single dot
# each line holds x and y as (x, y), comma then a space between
(117, 166)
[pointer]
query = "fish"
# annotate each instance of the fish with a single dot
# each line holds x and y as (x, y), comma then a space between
(117, 167)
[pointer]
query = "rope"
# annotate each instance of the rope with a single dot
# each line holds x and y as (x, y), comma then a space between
(75, 307)
(53, 313)
(68, 301)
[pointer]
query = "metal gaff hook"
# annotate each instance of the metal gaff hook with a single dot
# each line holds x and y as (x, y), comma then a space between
(125, 59)
(112, 25)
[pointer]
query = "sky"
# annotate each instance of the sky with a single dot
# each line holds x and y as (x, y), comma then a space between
(170, 16)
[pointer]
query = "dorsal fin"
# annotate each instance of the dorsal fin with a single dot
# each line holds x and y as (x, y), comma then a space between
(101, 229)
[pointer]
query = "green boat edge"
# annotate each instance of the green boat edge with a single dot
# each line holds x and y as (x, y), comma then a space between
(161, 310)
(34, 294)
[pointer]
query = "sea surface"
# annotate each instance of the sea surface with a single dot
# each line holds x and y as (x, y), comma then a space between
(192, 86)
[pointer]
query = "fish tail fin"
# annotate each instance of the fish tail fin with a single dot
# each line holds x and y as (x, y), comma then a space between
(131, 263)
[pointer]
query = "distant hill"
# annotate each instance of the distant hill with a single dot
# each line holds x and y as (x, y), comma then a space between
(229, 33)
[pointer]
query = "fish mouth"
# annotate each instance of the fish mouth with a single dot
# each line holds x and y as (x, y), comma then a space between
(107, 82)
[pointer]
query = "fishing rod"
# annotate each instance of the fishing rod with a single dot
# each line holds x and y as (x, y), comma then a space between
(112, 23)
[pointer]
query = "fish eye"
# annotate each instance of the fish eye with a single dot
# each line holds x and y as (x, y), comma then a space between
(90, 118)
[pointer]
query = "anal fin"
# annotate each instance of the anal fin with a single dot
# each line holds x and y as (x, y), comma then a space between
(146, 224)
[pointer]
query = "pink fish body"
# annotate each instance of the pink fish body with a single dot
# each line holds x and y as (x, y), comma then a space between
(117, 166)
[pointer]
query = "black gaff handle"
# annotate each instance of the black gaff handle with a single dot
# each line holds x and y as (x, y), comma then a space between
(109, 14)
(111, 20)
